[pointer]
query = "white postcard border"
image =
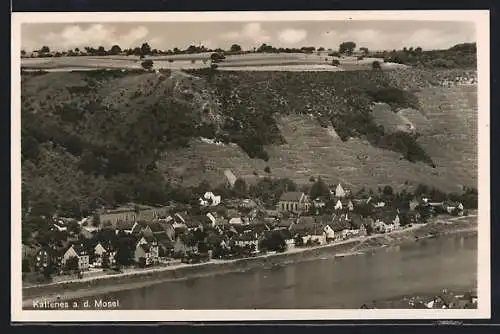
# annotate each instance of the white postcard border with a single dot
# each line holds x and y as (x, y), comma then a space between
(479, 17)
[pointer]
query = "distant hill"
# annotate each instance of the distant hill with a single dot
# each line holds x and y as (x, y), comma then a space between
(115, 136)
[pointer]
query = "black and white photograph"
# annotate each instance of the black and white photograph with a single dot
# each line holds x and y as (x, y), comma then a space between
(250, 166)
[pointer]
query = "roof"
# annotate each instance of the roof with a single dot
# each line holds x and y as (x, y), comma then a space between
(292, 196)
(149, 238)
(272, 213)
(246, 237)
(193, 223)
(156, 227)
(259, 228)
(79, 249)
(145, 247)
(124, 225)
(307, 225)
(236, 220)
(287, 223)
(306, 220)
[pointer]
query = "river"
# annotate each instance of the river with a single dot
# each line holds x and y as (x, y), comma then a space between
(426, 266)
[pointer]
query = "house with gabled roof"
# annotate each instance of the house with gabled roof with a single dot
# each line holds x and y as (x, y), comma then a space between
(294, 202)
(126, 226)
(210, 199)
(283, 224)
(340, 226)
(102, 250)
(309, 230)
(78, 251)
(340, 192)
(248, 239)
(146, 250)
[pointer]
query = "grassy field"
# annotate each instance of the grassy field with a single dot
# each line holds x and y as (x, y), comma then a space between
(250, 62)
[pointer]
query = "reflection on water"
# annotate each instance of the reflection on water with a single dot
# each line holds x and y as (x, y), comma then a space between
(447, 262)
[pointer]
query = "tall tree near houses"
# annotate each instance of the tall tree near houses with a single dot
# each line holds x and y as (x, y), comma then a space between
(319, 189)
(235, 48)
(145, 49)
(347, 47)
(240, 188)
(115, 49)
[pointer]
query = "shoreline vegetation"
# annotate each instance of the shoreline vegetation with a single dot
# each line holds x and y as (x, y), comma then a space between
(107, 283)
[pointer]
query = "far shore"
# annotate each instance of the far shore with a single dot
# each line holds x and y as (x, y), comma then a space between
(86, 287)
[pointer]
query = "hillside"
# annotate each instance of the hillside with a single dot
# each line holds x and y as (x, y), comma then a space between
(115, 136)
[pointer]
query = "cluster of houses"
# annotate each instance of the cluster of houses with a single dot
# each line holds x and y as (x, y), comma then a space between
(161, 234)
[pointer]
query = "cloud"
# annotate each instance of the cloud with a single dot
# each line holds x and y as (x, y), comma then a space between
(97, 35)
(292, 36)
(375, 39)
(250, 32)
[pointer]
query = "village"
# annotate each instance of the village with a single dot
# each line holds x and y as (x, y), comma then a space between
(137, 236)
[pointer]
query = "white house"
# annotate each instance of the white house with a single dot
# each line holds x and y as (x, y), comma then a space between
(236, 221)
(339, 191)
(209, 199)
(213, 220)
(231, 178)
(330, 233)
(100, 251)
(338, 205)
(80, 253)
(320, 238)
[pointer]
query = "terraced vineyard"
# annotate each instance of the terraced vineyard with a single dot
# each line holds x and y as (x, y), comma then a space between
(124, 133)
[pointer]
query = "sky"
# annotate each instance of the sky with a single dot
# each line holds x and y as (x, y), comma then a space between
(375, 35)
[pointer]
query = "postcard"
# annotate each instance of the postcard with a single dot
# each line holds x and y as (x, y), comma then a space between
(244, 166)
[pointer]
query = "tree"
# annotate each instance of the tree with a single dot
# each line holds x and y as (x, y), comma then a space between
(125, 246)
(347, 47)
(240, 188)
(364, 50)
(115, 49)
(23, 53)
(26, 266)
(274, 242)
(335, 62)
(387, 191)
(376, 65)
(147, 64)
(267, 170)
(105, 263)
(235, 48)
(319, 189)
(71, 264)
(145, 49)
(45, 49)
(418, 50)
(321, 49)
(299, 241)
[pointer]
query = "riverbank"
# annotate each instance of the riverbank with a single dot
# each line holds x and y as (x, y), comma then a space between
(125, 281)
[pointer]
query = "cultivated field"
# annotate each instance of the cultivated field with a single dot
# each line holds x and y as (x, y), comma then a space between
(249, 62)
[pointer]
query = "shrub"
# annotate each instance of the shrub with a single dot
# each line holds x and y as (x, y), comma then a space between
(147, 64)
(376, 65)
